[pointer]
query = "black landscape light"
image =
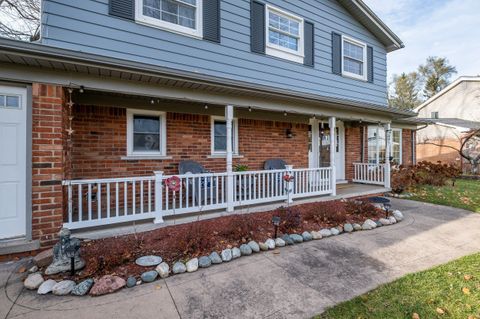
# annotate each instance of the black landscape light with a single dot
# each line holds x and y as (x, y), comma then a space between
(71, 251)
(387, 207)
(276, 223)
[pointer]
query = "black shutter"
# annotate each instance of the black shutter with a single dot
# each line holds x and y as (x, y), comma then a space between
(336, 53)
(309, 44)
(257, 25)
(211, 20)
(122, 8)
(370, 64)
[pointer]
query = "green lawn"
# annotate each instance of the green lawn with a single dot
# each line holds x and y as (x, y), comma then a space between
(448, 291)
(465, 194)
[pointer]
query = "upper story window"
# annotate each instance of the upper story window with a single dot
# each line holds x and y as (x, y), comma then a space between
(284, 35)
(183, 16)
(146, 133)
(354, 58)
(435, 115)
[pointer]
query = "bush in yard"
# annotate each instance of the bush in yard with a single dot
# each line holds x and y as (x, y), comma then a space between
(334, 211)
(424, 173)
(197, 238)
(290, 218)
(240, 227)
(359, 207)
(403, 178)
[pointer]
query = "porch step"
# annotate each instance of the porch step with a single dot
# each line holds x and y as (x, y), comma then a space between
(18, 245)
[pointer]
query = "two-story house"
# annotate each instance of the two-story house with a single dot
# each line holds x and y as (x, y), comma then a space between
(241, 102)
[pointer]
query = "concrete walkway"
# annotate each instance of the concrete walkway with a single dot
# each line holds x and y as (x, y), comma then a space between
(298, 282)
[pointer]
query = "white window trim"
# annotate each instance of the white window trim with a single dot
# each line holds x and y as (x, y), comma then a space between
(212, 136)
(377, 146)
(359, 43)
(163, 133)
(197, 32)
(279, 51)
(401, 144)
(6, 95)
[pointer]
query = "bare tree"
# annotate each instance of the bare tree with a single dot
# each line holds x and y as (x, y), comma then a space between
(20, 19)
(469, 148)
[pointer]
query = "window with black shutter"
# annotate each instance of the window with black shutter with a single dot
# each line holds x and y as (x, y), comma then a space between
(198, 18)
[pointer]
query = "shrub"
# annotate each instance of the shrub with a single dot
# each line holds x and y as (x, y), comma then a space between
(240, 227)
(403, 178)
(359, 207)
(290, 218)
(196, 238)
(424, 173)
(332, 211)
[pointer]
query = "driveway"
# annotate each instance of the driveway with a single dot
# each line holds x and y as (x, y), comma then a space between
(298, 282)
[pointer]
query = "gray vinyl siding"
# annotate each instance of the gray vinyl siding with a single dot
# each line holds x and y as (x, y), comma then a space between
(86, 26)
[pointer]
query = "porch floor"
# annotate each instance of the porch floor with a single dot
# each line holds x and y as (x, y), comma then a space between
(343, 191)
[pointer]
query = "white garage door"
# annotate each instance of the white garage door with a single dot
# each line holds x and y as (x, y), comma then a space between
(13, 144)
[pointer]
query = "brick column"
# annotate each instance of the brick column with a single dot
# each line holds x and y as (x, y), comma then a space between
(48, 145)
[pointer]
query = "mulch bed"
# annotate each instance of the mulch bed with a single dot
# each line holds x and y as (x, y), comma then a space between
(116, 256)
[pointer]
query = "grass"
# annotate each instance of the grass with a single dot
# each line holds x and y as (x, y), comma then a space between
(448, 291)
(465, 194)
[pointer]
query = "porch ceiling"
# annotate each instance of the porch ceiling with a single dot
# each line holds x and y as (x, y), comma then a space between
(37, 57)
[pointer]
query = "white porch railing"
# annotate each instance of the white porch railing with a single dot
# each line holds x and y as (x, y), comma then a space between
(254, 187)
(366, 173)
(109, 201)
(104, 201)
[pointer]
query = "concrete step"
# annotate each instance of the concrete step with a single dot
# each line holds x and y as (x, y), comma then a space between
(17, 245)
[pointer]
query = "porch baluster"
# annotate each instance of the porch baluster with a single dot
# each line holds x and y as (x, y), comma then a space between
(158, 197)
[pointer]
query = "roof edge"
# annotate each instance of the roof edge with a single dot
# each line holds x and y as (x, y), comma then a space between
(397, 43)
(447, 89)
(36, 50)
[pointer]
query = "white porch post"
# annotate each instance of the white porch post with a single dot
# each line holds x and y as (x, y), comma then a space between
(229, 119)
(158, 197)
(289, 185)
(332, 122)
(314, 160)
(388, 133)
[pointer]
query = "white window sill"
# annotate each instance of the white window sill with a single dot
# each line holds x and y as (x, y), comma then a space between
(224, 156)
(279, 53)
(354, 76)
(145, 157)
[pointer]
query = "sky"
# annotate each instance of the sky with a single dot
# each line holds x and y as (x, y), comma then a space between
(446, 28)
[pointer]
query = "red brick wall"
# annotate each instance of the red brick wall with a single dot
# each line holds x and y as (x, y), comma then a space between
(48, 138)
(407, 147)
(99, 143)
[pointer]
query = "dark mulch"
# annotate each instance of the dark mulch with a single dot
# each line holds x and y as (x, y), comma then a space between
(181, 242)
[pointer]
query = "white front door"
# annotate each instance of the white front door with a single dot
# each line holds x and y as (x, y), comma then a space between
(13, 152)
(319, 148)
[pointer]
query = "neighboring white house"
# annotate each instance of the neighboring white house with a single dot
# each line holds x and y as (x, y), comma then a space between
(451, 113)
